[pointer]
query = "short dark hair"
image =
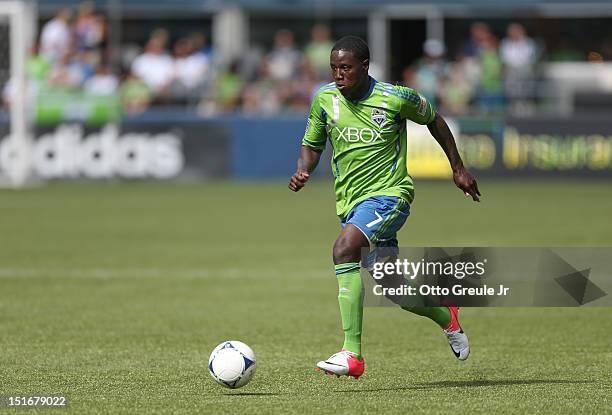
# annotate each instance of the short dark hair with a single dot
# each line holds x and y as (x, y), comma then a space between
(355, 45)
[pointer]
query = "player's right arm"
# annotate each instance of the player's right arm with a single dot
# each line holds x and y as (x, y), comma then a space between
(313, 145)
(307, 162)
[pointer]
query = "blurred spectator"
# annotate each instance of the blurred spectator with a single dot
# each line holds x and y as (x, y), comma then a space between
(201, 45)
(229, 88)
(69, 72)
(518, 54)
(431, 69)
(594, 57)
(56, 36)
(284, 60)
(490, 92)
(479, 33)
(250, 61)
(471, 70)
(135, 95)
(128, 54)
(62, 77)
(481, 76)
(303, 88)
(89, 28)
(155, 67)
(162, 34)
(456, 90)
(317, 51)
(191, 69)
(263, 96)
(104, 82)
(37, 66)
(84, 62)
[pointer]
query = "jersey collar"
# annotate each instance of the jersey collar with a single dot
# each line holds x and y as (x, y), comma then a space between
(372, 83)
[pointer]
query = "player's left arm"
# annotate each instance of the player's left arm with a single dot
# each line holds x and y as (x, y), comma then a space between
(462, 177)
(417, 108)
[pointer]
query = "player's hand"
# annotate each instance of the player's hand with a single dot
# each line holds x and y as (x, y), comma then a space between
(466, 182)
(298, 180)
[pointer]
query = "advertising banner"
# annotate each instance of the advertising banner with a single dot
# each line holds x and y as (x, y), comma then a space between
(553, 147)
(166, 146)
(132, 150)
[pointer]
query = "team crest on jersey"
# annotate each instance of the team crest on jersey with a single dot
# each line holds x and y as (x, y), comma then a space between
(378, 116)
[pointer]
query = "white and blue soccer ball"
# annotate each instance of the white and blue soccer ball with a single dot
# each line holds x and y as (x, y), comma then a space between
(232, 364)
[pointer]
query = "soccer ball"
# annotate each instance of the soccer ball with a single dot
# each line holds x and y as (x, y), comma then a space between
(232, 364)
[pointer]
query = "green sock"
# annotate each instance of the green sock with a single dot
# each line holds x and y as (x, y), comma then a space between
(350, 298)
(440, 315)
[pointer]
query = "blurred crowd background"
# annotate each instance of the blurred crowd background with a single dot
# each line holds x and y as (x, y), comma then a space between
(490, 69)
(219, 89)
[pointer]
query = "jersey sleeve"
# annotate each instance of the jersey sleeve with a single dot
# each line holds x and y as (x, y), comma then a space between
(415, 106)
(315, 136)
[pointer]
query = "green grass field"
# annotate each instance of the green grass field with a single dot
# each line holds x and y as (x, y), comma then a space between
(115, 294)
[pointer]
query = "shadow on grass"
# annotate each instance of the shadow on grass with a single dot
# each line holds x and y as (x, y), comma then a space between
(470, 384)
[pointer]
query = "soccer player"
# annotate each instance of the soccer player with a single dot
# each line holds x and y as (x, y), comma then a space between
(364, 121)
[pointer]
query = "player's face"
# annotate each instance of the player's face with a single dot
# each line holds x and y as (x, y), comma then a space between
(349, 73)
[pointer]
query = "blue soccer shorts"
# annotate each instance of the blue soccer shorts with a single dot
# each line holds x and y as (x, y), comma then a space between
(379, 218)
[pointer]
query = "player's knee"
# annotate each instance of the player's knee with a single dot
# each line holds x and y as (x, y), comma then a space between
(346, 251)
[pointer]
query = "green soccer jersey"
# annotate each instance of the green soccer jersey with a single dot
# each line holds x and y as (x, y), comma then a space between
(368, 138)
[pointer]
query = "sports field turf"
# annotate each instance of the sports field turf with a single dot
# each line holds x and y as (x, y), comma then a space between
(115, 294)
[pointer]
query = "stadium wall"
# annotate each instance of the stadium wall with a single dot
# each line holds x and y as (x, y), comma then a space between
(255, 148)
